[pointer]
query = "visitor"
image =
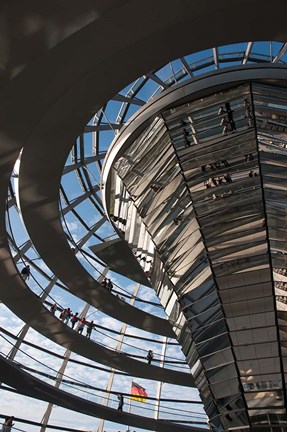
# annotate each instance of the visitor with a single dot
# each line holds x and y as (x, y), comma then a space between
(221, 111)
(207, 184)
(187, 143)
(26, 272)
(53, 308)
(104, 282)
(248, 113)
(67, 316)
(219, 181)
(90, 327)
(249, 157)
(74, 319)
(226, 126)
(109, 285)
(229, 112)
(81, 325)
(185, 132)
(8, 424)
(149, 356)
(121, 402)
(63, 314)
(228, 178)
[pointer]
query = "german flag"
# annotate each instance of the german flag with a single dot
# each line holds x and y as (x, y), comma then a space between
(138, 393)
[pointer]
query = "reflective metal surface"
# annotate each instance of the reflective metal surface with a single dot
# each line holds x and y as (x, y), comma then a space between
(206, 182)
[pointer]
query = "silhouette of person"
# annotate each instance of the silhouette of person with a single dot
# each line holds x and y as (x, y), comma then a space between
(149, 356)
(109, 285)
(121, 402)
(104, 282)
(81, 325)
(25, 272)
(74, 319)
(53, 308)
(8, 424)
(90, 327)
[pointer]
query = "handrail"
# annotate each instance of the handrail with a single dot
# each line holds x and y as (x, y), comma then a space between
(71, 382)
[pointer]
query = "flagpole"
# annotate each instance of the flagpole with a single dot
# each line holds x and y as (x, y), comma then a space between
(130, 405)
(129, 411)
